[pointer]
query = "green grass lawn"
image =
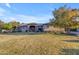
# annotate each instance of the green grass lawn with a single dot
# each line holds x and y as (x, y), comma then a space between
(38, 44)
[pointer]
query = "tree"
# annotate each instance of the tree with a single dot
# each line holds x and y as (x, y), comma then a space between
(63, 17)
(14, 23)
(7, 26)
(1, 24)
(32, 23)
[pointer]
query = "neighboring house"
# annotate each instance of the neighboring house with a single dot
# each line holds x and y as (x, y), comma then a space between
(31, 27)
(74, 31)
(75, 19)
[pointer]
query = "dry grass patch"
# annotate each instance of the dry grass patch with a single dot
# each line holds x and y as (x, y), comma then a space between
(37, 44)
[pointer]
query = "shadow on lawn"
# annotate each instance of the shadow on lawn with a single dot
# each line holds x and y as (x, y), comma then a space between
(23, 33)
(70, 51)
(76, 41)
(36, 33)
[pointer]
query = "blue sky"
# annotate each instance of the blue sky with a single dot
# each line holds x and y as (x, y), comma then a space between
(30, 12)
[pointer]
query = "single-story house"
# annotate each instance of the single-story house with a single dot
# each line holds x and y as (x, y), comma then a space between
(31, 28)
(74, 31)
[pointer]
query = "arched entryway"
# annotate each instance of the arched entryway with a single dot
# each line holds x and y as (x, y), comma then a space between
(32, 28)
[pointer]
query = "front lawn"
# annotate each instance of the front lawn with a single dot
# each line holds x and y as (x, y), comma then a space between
(38, 44)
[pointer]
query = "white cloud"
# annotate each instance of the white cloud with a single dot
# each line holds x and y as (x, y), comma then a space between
(27, 19)
(8, 16)
(8, 5)
(22, 18)
(2, 11)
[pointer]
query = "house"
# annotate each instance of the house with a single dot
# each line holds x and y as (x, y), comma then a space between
(74, 31)
(31, 28)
